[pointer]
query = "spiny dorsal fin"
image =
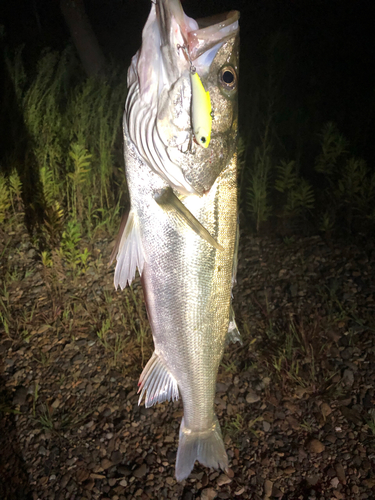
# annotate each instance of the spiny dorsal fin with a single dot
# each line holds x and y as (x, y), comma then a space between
(130, 251)
(169, 202)
(157, 383)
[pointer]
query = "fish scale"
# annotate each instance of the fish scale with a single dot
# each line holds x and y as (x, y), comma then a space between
(183, 241)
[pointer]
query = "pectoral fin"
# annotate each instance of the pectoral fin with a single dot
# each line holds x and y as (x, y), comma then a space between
(169, 202)
(130, 252)
(157, 383)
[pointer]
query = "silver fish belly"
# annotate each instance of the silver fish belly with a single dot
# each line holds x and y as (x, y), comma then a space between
(181, 230)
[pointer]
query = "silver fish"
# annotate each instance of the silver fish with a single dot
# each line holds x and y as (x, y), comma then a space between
(181, 231)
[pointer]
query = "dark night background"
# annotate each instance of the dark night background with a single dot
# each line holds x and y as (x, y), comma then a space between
(312, 59)
(327, 63)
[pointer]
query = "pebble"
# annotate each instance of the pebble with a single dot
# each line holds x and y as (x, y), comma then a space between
(140, 471)
(348, 378)
(106, 464)
(208, 494)
(315, 446)
(240, 491)
(266, 426)
(223, 479)
(340, 473)
(116, 457)
(335, 482)
(268, 485)
(252, 397)
(326, 410)
(108, 432)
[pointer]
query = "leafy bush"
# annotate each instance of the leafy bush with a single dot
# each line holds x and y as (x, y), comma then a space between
(72, 130)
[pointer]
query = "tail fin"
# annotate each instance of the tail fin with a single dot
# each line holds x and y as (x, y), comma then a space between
(207, 447)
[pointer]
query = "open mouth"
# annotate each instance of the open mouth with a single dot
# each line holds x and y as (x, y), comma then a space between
(212, 30)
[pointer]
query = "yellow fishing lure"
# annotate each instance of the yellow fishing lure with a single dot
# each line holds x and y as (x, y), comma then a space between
(201, 111)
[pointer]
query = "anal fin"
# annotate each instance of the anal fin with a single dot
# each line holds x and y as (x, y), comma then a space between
(130, 251)
(157, 383)
(171, 204)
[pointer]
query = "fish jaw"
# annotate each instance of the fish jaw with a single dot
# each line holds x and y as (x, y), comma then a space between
(160, 103)
(160, 63)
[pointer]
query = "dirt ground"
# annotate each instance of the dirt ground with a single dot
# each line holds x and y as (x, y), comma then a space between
(295, 402)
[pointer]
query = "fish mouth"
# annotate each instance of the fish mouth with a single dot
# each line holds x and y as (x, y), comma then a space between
(198, 36)
(212, 30)
(158, 110)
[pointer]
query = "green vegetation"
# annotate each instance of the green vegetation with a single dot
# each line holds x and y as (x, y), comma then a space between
(342, 198)
(296, 176)
(72, 163)
(70, 136)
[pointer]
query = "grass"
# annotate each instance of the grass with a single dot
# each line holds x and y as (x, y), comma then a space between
(293, 351)
(238, 425)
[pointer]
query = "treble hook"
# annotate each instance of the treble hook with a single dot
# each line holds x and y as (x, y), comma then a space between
(185, 51)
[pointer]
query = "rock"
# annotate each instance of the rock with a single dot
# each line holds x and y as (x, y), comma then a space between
(89, 485)
(313, 479)
(315, 446)
(335, 482)
(56, 403)
(239, 492)
(208, 494)
(31, 254)
(332, 439)
(82, 475)
(140, 471)
(339, 495)
(348, 378)
(64, 480)
(340, 473)
(230, 472)
(252, 397)
(326, 410)
(220, 387)
(116, 457)
(267, 487)
(289, 470)
(266, 426)
(106, 464)
(223, 479)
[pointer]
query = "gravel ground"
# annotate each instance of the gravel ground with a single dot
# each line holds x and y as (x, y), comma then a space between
(296, 401)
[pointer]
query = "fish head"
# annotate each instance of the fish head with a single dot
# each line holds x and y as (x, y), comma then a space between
(186, 131)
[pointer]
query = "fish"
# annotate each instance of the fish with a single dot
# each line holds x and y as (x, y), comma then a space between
(181, 232)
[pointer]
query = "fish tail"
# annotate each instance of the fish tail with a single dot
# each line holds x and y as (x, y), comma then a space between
(207, 447)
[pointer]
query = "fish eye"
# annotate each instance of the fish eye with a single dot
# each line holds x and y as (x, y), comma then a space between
(203, 140)
(228, 78)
